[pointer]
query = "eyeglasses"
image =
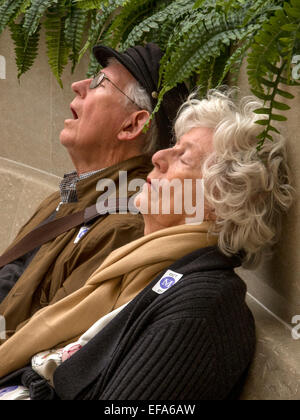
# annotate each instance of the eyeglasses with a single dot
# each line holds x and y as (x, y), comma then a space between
(99, 79)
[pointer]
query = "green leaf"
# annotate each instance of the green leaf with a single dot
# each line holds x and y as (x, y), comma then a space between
(280, 106)
(88, 4)
(26, 53)
(285, 94)
(265, 52)
(132, 12)
(262, 95)
(271, 128)
(262, 111)
(198, 3)
(204, 41)
(33, 15)
(264, 135)
(8, 11)
(165, 20)
(292, 12)
(75, 27)
(266, 82)
(94, 67)
(277, 117)
(236, 59)
(262, 122)
(290, 27)
(57, 49)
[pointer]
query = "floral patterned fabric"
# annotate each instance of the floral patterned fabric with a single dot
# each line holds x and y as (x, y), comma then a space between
(14, 393)
(46, 363)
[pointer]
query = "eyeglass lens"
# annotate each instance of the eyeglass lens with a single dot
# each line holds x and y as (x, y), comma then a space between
(97, 81)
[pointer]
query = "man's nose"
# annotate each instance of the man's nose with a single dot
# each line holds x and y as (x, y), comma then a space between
(81, 87)
(161, 160)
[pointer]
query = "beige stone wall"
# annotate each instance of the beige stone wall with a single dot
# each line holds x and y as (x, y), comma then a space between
(275, 371)
(22, 189)
(33, 112)
(277, 283)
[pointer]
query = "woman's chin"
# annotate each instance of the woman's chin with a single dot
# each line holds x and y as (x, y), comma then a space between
(137, 201)
(142, 201)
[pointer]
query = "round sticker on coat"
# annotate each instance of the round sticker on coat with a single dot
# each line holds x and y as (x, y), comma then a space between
(167, 282)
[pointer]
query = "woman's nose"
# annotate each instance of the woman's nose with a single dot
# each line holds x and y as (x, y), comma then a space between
(81, 87)
(161, 160)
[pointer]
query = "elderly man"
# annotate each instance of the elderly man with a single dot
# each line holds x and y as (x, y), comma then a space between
(56, 251)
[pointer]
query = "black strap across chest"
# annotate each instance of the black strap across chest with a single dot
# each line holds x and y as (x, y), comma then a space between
(51, 230)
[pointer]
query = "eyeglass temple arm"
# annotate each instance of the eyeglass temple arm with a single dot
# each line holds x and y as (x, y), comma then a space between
(131, 100)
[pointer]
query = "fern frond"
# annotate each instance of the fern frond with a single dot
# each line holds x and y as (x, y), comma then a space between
(160, 25)
(271, 104)
(292, 9)
(270, 60)
(8, 11)
(26, 52)
(198, 3)
(235, 60)
(261, 8)
(290, 42)
(210, 73)
(34, 14)
(207, 39)
(94, 67)
(74, 32)
(99, 25)
(265, 49)
(88, 4)
(22, 10)
(132, 12)
(57, 49)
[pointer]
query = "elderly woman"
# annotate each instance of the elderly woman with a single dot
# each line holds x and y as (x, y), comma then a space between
(165, 317)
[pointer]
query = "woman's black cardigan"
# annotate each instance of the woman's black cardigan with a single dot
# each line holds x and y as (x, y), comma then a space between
(193, 342)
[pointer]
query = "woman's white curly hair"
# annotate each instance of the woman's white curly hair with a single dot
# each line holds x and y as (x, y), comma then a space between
(249, 191)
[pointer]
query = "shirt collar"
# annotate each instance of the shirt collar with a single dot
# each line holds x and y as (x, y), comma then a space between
(68, 185)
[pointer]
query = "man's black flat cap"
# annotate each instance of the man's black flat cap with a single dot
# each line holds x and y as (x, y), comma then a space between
(144, 64)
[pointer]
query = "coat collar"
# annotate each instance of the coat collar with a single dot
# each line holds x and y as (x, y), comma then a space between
(86, 189)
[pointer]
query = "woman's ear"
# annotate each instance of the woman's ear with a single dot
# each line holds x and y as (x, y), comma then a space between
(133, 126)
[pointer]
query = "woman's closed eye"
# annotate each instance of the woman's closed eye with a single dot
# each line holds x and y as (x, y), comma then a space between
(184, 159)
(184, 162)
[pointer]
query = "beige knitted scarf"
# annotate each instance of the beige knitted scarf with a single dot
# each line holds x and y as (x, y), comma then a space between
(124, 274)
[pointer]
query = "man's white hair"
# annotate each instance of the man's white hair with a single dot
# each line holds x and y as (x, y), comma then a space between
(248, 190)
(140, 96)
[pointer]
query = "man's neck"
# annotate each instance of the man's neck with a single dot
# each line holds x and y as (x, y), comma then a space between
(82, 167)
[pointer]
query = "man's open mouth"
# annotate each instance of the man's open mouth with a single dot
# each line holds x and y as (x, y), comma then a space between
(75, 116)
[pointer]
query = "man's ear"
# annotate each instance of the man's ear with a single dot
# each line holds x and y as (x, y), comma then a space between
(133, 126)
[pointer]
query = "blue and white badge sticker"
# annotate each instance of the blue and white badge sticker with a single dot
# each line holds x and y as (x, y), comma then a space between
(167, 281)
(83, 231)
